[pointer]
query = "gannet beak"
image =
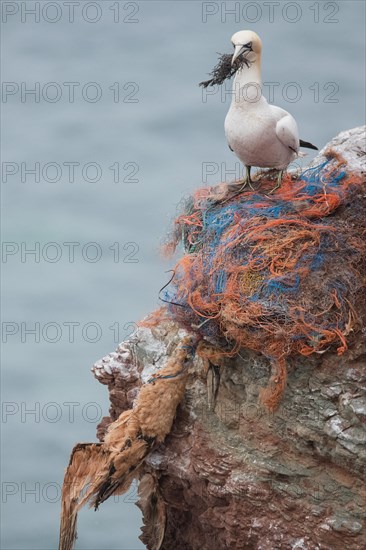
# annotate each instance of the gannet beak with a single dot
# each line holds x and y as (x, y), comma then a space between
(239, 49)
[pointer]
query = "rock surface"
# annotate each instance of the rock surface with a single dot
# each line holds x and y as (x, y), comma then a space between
(238, 477)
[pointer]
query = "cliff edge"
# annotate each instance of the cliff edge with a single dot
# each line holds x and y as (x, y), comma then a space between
(238, 470)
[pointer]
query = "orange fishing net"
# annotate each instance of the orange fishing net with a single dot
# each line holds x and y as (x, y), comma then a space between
(264, 272)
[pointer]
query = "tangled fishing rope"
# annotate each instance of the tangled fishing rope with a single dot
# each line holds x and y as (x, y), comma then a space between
(278, 274)
(262, 271)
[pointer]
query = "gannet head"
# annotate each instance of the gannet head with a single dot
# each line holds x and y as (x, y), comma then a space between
(244, 42)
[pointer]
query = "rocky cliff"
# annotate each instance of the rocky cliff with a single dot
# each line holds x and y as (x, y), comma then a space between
(233, 474)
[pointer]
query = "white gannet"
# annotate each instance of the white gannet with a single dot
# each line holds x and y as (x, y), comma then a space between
(259, 134)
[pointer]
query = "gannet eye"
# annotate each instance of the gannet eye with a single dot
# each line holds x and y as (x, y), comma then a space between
(249, 45)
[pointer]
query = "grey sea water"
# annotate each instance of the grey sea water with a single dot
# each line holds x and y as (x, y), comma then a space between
(116, 98)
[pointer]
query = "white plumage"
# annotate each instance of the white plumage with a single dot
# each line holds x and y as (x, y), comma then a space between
(260, 134)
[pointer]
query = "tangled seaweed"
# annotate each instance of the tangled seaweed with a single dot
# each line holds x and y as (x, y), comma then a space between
(262, 271)
(224, 69)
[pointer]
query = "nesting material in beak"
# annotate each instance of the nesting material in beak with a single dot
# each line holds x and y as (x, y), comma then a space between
(226, 68)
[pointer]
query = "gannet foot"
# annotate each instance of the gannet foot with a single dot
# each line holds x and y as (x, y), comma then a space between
(246, 181)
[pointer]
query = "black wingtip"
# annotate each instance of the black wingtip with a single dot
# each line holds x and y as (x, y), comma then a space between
(308, 145)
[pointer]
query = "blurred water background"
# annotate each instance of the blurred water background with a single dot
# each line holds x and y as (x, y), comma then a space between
(159, 131)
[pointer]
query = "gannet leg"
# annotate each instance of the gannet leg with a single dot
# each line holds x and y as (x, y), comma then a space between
(233, 186)
(248, 178)
(278, 183)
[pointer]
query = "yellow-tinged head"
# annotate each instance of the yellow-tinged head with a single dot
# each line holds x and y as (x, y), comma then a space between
(246, 42)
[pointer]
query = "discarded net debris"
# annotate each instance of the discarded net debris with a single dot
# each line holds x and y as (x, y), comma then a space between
(275, 273)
